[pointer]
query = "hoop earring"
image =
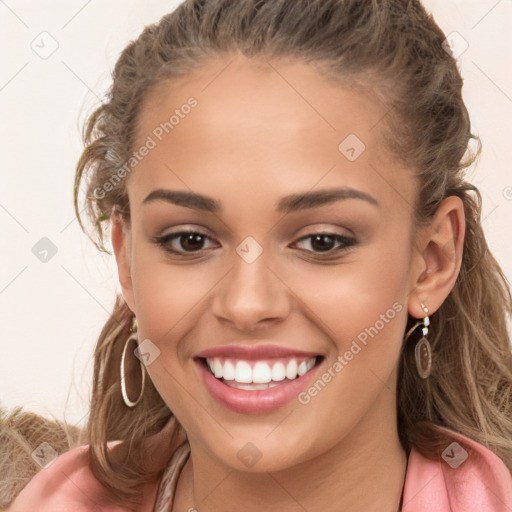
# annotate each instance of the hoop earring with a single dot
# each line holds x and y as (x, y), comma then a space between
(133, 337)
(422, 350)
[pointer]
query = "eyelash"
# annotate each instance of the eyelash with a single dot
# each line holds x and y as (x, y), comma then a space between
(348, 242)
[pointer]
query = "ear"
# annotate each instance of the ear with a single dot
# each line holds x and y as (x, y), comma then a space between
(437, 257)
(121, 243)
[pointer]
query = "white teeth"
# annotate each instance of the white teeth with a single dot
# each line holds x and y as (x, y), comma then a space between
(278, 372)
(302, 368)
(291, 369)
(228, 371)
(217, 368)
(243, 372)
(251, 387)
(262, 375)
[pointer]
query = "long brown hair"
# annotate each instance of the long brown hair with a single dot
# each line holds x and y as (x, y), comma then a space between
(394, 49)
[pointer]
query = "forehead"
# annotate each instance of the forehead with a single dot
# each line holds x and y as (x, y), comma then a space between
(269, 126)
(235, 91)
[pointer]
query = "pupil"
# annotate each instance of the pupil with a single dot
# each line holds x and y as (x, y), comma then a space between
(323, 245)
(190, 239)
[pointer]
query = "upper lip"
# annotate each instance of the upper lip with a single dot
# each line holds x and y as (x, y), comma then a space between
(253, 352)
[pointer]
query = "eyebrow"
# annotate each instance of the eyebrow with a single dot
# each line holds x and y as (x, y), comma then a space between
(287, 204)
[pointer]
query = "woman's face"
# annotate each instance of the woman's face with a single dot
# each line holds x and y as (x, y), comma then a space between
(277, 264)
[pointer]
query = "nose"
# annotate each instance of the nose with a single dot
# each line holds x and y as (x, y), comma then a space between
(252, 294)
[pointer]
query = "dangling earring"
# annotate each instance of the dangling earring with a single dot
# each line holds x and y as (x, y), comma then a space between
(422, 350)
(133, 337)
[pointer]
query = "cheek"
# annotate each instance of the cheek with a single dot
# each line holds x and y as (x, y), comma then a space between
(363, 312)
(369, 287)
(169, 298)
(167, 294)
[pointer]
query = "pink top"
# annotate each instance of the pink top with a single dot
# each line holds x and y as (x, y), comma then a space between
(469, 478)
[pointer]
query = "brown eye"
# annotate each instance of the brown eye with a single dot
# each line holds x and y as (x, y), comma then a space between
(322, 242)
(325, 242)
(183, 242)
(191, 241)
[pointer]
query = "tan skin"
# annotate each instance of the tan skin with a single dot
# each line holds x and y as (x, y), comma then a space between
(251, 140)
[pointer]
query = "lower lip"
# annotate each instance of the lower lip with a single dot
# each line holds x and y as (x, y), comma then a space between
(257, 401)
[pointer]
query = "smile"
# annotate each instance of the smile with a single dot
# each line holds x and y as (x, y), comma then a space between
(257, 386)
(257, 375)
